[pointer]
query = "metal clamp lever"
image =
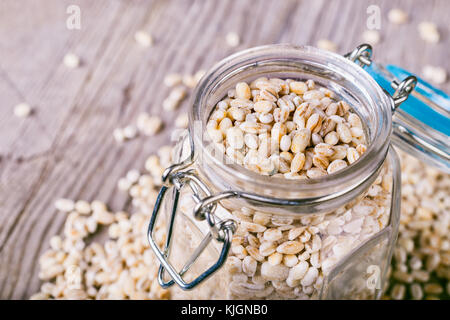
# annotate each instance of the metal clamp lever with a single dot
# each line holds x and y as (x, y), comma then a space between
(362, 55)
(222, 231)
(403, 90)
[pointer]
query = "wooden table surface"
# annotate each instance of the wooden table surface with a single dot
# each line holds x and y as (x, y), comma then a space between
(66, 148)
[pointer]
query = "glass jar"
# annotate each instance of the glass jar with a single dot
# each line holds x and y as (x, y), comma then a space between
(236, 234)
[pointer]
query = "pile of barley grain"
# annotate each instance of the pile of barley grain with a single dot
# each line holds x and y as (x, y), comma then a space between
(421, 262)
(123, 266)
(287, 128)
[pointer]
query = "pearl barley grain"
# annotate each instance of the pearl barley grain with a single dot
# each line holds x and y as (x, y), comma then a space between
(243, 91)
(327, 45)
(129, 132)
(371, 37)
(133, 176)
(149, 125)
(71, 61)
(428, 31)
(182, 120)
(189, 80)
(199, 75)
(397, 16)
(235, 138)
(124, 184)
(119, 135)
(172, 79)
(232, 39)
(143, 38)
(98, 205)
(310, 276)
(83, 207)
(436, 75)
(65, 205)
(22, 110)
(285, 143)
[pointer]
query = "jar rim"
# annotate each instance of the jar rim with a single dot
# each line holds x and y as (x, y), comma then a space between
(362, 171)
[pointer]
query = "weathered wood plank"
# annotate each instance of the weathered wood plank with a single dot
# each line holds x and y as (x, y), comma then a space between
(66, 148)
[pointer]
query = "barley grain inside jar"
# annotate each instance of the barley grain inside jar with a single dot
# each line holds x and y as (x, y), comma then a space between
(286, 186)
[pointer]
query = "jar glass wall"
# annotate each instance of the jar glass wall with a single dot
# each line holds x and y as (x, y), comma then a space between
(330, 237)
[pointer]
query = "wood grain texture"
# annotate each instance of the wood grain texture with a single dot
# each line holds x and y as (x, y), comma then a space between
(66, 148)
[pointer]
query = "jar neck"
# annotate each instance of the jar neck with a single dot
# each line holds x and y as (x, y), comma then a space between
(330, 70)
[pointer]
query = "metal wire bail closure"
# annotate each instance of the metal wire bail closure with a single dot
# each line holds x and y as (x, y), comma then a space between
(362, 55)
(221, 230)
(403, 90)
